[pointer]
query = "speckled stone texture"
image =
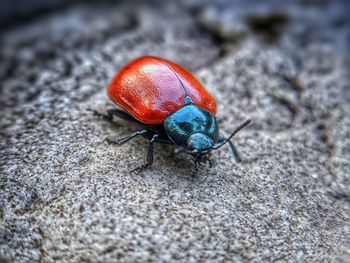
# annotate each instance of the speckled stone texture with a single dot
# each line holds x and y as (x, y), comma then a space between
(67, 196)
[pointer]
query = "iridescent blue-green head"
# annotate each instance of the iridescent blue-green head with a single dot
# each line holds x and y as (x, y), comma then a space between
(193, 128)
(199, 142)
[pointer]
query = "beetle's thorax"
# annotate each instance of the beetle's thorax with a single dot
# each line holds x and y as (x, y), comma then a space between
(192, 126)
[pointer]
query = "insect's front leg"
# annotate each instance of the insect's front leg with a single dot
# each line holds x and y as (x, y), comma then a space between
(233, 147)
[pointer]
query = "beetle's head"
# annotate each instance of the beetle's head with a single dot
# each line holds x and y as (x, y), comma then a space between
(199, 143)
(199, 146)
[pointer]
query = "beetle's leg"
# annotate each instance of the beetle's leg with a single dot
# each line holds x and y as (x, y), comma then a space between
(149, 158)
(233, 148)
(210, 163)
(196, 163)
(221, 138)
(113, 112)
(127, 138)
(235, 152)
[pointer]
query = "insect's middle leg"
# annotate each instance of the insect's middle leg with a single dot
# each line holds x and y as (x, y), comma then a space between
(149, 158)
(127, 138)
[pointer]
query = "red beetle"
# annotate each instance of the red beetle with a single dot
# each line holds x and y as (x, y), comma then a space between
(171, 105)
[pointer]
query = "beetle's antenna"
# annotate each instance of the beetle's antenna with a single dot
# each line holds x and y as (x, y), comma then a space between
(240, 127)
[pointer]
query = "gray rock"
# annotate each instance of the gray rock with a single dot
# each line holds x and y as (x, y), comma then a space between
(66, 195)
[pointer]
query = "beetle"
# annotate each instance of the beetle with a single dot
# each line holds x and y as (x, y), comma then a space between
(170, 104)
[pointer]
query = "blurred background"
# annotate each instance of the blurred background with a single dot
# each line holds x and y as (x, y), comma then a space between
(44, 41)
(43, 32)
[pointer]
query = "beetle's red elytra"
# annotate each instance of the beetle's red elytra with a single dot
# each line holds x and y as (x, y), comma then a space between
(151, 89)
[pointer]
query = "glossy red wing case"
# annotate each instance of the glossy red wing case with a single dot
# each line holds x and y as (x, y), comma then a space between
(151, 89)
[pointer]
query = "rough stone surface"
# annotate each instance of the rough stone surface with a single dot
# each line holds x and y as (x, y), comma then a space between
(66, 195)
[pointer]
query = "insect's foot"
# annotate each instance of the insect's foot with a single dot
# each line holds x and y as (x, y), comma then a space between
(112, 141)
(95, 112)
(140, 168)
(100, 115)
